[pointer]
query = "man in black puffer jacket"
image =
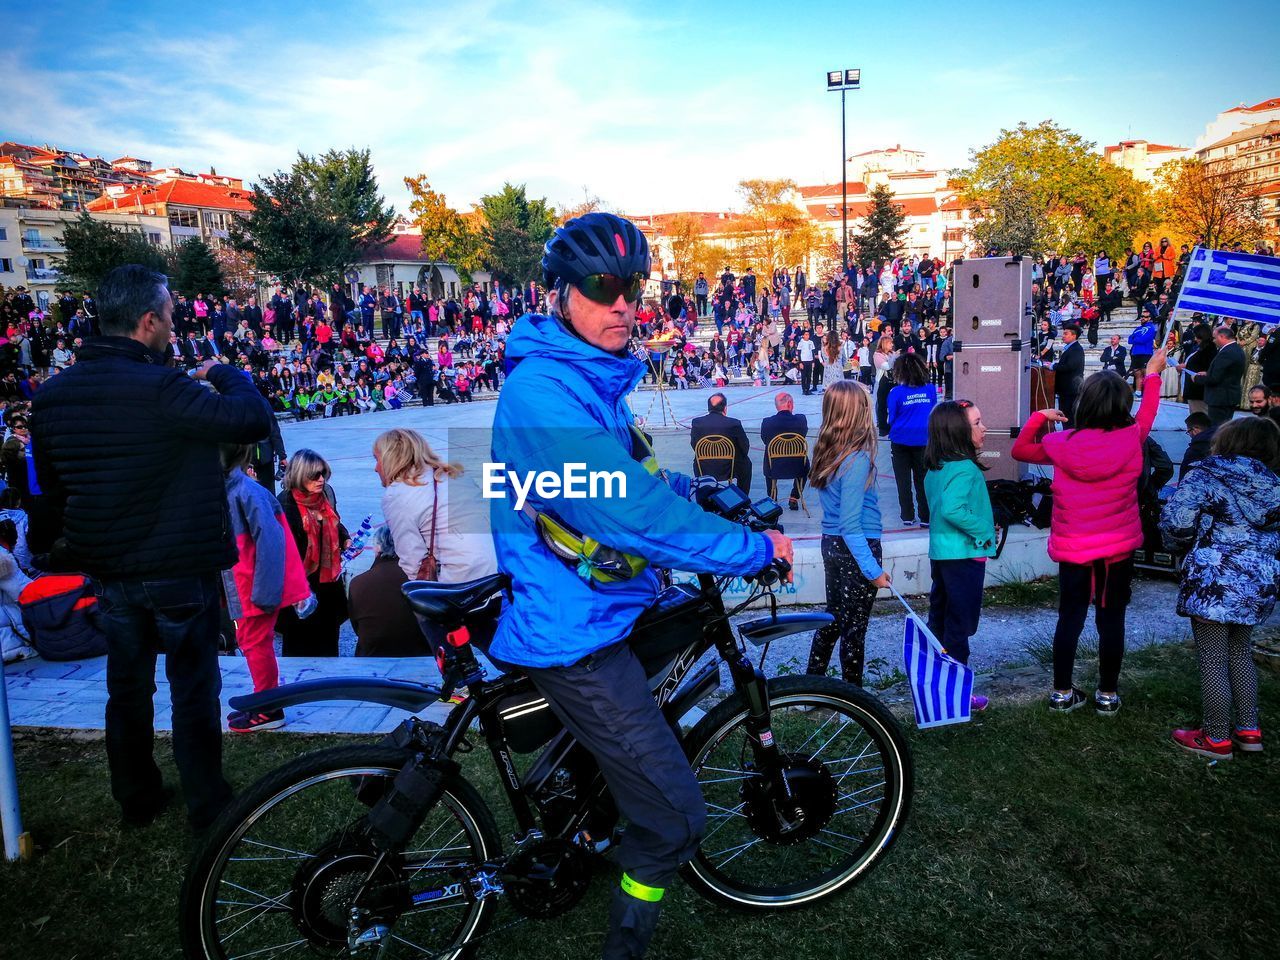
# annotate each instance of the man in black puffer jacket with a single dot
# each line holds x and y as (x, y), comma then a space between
(126, 453)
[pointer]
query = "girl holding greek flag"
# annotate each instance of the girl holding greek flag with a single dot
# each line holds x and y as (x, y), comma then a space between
(962, 530)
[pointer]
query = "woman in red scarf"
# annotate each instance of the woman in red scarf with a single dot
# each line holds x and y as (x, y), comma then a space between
(311, 508)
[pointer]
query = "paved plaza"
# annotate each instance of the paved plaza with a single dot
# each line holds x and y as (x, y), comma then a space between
(72, 695)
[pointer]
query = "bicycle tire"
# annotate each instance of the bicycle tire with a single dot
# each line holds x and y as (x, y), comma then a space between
(882, 729)
(200, 942)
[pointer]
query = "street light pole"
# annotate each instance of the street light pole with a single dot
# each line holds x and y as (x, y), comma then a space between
(844, 187)
(844, 81)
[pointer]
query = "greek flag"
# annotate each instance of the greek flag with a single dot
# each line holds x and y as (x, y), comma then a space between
(1242, 286)
(941, 687)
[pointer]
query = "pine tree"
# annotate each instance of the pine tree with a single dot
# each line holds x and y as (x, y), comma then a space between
(197, 271)
(880, 239)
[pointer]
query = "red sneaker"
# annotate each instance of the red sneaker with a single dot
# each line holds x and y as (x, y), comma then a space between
(1194, 741)
(1250, 741)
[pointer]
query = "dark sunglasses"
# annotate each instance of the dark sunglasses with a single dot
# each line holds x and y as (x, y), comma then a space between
(605, 288)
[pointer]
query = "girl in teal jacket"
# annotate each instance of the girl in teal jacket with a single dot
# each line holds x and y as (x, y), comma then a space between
(962, 531)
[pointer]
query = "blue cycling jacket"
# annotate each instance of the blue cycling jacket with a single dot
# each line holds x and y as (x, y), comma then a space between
(565, 401)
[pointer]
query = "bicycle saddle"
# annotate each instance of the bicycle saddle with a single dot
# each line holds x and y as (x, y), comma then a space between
(452, 601)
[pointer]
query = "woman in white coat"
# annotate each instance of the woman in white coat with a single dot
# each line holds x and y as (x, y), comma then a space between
(432, 508)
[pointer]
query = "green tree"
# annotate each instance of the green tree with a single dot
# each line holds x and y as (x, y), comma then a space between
(1071, 198)
(311, 222)
(513, 232)
(94, 247)
(1014, 223)
(1214, 204)
(196, 270)
(882, 233)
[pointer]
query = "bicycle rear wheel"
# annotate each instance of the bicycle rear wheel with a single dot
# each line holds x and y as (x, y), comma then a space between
(851, 770)
(279, 870)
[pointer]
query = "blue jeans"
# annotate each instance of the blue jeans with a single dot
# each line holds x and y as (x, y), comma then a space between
(179, 616)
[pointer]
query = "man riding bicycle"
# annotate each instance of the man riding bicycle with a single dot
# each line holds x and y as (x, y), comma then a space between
(579, 566)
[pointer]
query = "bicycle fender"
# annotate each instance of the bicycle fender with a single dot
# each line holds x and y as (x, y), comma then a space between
(766, 629)
(402, 694)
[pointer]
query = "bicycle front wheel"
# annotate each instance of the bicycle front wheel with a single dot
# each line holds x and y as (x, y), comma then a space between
(850, 768)
(281, 869)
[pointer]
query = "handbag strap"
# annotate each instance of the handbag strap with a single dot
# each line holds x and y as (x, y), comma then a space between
(435, 506)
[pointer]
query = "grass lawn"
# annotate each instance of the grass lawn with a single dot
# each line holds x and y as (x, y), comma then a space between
(1031, 836)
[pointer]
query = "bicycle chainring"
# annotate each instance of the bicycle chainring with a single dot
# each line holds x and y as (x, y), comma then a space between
(790, 820)
(546, 878)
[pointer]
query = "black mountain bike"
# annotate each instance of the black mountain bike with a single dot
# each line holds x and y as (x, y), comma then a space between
(387, 850)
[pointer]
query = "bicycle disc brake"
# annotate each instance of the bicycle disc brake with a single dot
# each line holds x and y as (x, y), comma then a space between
(787, 820)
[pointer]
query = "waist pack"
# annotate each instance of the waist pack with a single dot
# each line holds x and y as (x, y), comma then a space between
(61, 614)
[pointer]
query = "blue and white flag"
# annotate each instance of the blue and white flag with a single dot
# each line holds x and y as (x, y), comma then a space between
(1242, 286)
(941, 687)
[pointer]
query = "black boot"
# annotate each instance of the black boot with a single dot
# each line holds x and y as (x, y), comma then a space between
(631, 926)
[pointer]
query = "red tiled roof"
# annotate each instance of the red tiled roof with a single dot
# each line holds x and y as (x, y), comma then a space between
(1151, 147)
(951, 203)
(832, 190)
(1271, 104)
(896, 148)
(188, 193)
(911, 206)
(402, 246)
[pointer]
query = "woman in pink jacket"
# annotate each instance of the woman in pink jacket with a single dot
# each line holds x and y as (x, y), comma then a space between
(1095, 527)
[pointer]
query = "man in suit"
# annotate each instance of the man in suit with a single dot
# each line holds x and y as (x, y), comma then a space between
(190, 348)
(253, 313)
(1069, 372)
(786, 420)
(1115, 357)
(715, 423)
(1222, 379)
(749, 286)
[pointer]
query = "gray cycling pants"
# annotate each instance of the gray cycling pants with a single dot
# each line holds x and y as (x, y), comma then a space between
(605, 702)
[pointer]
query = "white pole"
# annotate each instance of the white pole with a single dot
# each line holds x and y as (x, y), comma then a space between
(16, 843)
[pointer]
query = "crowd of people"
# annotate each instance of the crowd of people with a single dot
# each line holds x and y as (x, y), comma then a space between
(884, 326)
(141, 454)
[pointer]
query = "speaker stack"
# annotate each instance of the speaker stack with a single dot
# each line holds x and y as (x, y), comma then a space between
(991, 300)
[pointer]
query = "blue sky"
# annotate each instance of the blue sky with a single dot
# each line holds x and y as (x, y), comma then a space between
(658, 106)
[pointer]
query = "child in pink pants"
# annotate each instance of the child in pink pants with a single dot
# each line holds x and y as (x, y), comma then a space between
(267, 576)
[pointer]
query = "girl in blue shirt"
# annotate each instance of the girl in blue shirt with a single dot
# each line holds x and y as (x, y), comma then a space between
(844, 473)
(910, 404)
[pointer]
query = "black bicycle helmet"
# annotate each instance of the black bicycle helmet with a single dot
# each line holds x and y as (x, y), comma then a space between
(594, 243)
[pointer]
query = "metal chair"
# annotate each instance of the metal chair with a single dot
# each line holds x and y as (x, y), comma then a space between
(714, 456)
(787, 458)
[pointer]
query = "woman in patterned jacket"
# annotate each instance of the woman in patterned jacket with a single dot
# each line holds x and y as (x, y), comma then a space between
(1226, 514)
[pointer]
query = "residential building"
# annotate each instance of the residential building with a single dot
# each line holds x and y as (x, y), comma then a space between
(1236, 119)
(936, 222)
(1254, 151)
(31, 244)
(1143, 159)
(193, 208)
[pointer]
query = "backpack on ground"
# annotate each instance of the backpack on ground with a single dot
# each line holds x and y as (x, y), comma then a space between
(61, 614)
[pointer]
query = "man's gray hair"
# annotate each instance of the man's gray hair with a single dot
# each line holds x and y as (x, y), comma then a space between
(126, 294)
(1224, 331)
(384, 542)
